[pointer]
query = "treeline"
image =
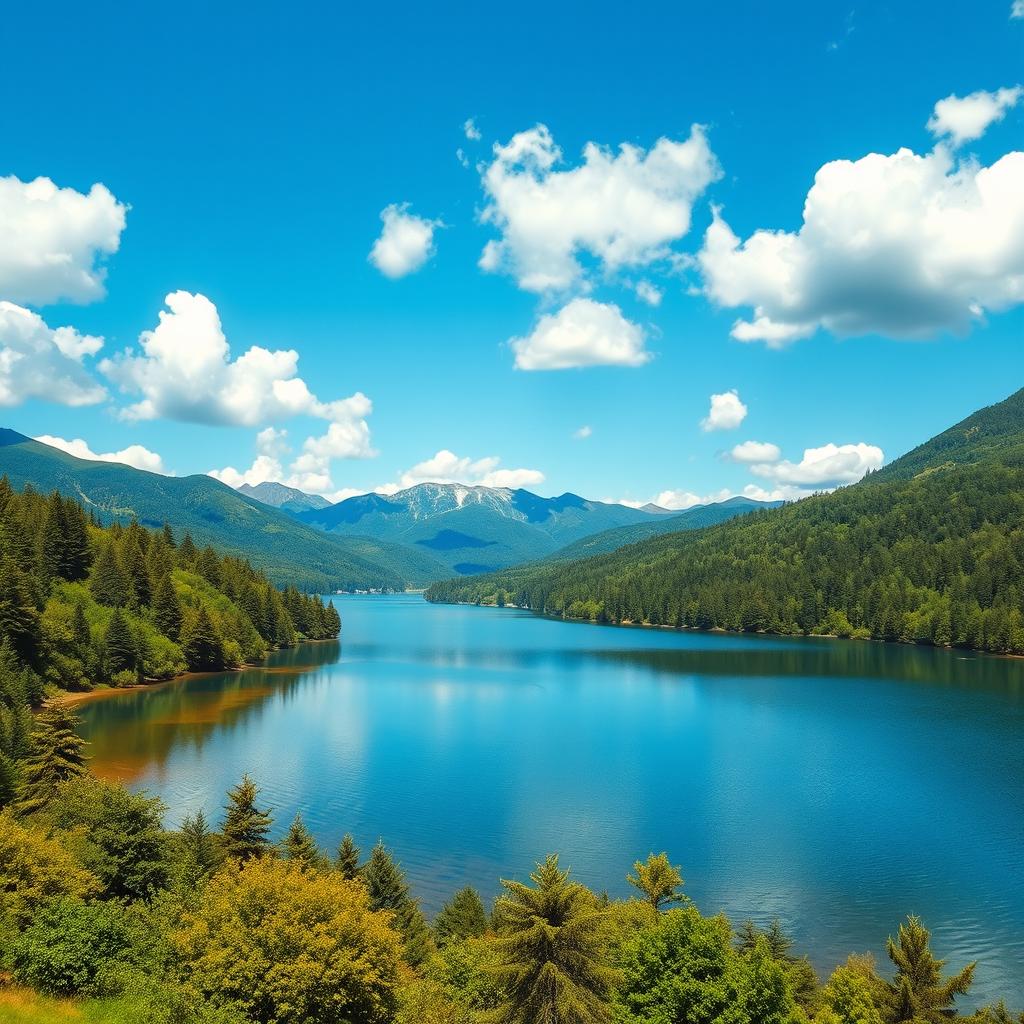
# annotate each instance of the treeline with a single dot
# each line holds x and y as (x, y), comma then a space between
(82, 604)
(937, 559)
(100, 902)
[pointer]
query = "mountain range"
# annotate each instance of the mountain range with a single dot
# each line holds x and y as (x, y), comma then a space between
(288, 499)
(929, 549)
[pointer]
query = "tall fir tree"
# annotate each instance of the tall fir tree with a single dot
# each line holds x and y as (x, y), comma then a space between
(109, 584)
(388, 890)
(201, 643)
(120, 650)
(246, 827)
(347, 859)
(300, 846)
(462, 917)
(57, 754)
(167, 607)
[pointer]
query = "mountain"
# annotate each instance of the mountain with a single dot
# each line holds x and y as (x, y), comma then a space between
(288, 551)
(928, 550)
(474, 529)
(695, 518)
(288, 499)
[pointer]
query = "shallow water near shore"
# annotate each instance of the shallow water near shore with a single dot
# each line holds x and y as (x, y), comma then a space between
(836, 785)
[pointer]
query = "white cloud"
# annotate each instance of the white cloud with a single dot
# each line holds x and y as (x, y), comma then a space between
(756, 451)
(134, 455)
(904, 245)
(1017, 9)
(727, 412)
(964, 118)
(270, 447)
(406, 242)
(647, 292)
(448, 468)
(623, 209)
(471, 131)
(582, 333)
(38, 361)
(583, 433)
(829, 465)
(54, 240)
(347, 437)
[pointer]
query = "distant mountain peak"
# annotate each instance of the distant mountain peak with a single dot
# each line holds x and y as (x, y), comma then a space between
(278, 495)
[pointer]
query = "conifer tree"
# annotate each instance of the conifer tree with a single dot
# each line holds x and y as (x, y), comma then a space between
(120, 650)
(57, 754)
(137, 573)
(168, 535)
(658, 880)
(80, 631)
(187, 553)
(208, 566)
(167, 608)
(918, 992)
(551, 951)
(202, 644)
(462, 917)
(388, 890)
(52, 556)
(197, 843)
(347, 860)
(109, 584)
(245, 827)
(299, 845)
(19, 620)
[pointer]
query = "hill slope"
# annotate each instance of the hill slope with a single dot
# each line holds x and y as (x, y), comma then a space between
(287, 550)
(288, 499)
(930, 550)
(474, 529)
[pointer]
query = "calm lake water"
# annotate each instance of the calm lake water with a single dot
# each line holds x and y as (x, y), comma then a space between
(836, 785)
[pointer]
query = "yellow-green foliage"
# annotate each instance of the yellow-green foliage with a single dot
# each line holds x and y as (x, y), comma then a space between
(291, 945)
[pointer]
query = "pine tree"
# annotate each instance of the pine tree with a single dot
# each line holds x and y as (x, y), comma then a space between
(197, 843)
(167, 608)
(347, 860)
(245, 827)
(462, 917)
(187, 553)
(121, 653)
(137, 573)
(208, 566)
(80, 632)
(658, 880)
(202, 644)
(109, 584)
(52, 547)
(918, 992)
(57, 754)
(551, 951)
(168, 535)
(19, 620)
(299, 845)
(388, 890)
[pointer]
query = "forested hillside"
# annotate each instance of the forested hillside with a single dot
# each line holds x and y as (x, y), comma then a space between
(82, 604)
(285, 549)
(929, 550)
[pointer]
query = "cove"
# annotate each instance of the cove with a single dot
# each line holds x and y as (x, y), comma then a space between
(836, 785)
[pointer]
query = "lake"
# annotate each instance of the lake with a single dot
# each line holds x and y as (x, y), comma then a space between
(836, 785)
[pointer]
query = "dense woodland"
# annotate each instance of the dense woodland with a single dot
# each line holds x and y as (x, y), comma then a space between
(82, 605)
(135, 924)
(935, 559)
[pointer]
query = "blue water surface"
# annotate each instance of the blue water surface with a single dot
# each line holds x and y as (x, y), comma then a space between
(836, 785)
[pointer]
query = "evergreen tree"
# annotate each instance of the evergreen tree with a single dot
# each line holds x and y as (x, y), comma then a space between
(57, 754)
(52, 547)
(168, 535)
(187, 553)
(462, 917)
(207, 565)
(658, 880)
(202, 645)
(299, 845)
(167, 608)
(551, 952)
(197, 843)
(120, 650)
(245, 827)
(347, 860)
(918, 992)
(80, 632)
(19, 620)
(137, 573)
(109, 584)
(388, 890)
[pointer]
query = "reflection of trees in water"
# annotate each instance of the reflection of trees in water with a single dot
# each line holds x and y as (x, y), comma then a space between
(130, 732)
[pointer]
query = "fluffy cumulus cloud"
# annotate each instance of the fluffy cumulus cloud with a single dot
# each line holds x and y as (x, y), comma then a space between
(270, 447)
(621, 209)
(582, 333)
(406, 241)
(647, 292)
(38, 361)
(965, 118)
(134, 455)
(827, 466)
(727, 412)
(904, 245)
(448, 468)
(582, 433)
(756, 451)
(346, 437)
(471, 131)
(54, 240)
(1017, 9)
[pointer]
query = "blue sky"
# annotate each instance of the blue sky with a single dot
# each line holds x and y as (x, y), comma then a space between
(251, 151)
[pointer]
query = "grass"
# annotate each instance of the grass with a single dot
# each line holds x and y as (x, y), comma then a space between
(22, 1006)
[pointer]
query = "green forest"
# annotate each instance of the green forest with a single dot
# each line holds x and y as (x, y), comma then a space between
(934, 559)
(83, 606)
(108, 917)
